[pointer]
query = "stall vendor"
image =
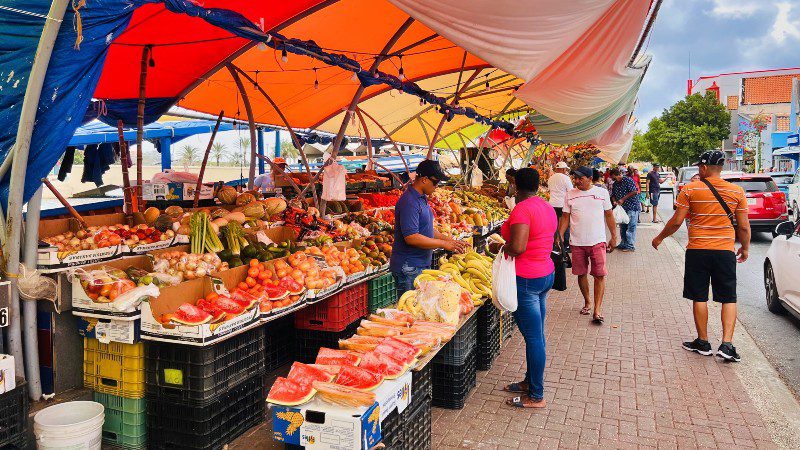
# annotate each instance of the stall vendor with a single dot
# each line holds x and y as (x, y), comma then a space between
(266, 181)
(414, 235)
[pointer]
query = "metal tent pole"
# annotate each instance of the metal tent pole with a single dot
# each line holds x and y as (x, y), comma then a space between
(31, 337)
(251, 124)
(19, 166)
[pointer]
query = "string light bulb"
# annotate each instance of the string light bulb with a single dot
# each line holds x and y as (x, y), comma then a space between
(401, 72)
(262, 46)
(487, 82)
(316, 80)
(284, 55)
(421, 101)
(151, 62)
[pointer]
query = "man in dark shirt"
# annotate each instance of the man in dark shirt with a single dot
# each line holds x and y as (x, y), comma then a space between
(625, 193)
(414, 234)
(653, 190)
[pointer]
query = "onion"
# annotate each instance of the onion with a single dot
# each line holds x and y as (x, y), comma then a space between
(209, 258)
(200, 272)
(189, 275)
(74, 242)
(191, 265)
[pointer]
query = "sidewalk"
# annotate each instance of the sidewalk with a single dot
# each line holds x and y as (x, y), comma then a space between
(628, 383)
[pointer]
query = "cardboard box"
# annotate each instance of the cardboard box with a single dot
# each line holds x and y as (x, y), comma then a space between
(232, 277)
(138, 219)
(51, 260)
(175, 191)
(110, 330)
(172, 297)
(331, 427)
(83, 305)
(7, 374)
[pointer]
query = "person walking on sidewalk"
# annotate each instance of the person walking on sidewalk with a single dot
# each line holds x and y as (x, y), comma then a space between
(625, 193)
(559, 184)
(529, 233)
(585, 209)
(718, 215)
(653, 190)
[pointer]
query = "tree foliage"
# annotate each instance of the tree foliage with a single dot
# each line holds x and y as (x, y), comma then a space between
(218, 150)
(640, 150)
(685, 130)
(288, 149)
(189, 155)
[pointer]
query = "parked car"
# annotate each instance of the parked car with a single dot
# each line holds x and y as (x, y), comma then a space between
(783, 180)
(793, 196)
(766, 204)
(685, 175)
(666, 181)
(780, 270)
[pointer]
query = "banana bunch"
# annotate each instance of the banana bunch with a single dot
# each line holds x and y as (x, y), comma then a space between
(471, 270)
(408, 303)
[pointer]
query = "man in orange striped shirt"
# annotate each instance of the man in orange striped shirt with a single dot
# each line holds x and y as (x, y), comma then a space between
(710, 257)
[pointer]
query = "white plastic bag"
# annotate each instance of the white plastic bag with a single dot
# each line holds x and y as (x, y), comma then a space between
(511, 202)
(334, 184)
(620, 216)
(504, 282)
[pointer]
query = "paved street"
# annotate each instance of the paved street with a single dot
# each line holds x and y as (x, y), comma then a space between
(777, 336)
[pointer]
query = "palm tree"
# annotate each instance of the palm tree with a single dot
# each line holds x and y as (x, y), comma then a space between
(189, 155)
(218, 150)
(241, 157)
(288, 150)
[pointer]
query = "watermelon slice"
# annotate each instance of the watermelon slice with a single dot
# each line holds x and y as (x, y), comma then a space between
(356, 346)
(188, 314)
(383, 364)
(409, 351)
(337, 357)
(343, 395)
(289, 393)
(358, 378)
(293, 287)
(217, 315)
(229, 305)
(276, 292)
(304, 375)
(328, 368)
(246, 299)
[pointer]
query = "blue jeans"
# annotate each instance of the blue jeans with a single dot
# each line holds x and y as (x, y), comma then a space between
(404, 278)
(627, 231)
(531, 309)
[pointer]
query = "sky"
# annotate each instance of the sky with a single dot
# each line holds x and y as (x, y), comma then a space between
(720, 36)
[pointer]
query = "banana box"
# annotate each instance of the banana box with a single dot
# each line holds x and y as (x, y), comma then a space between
(322, 426)
(50, 259)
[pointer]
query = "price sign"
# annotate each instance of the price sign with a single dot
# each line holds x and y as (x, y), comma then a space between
(3, 317)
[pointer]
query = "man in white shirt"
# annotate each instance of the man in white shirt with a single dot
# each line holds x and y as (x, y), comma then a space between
(265, 182)
(585, 209)
(559, 184)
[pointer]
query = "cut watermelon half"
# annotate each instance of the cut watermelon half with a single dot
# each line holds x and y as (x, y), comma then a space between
(287, 392)
(304, 375)
(276, 292)
(229, 305)
(383, 364)
(337, 357)
(358, 378)
(217, 314)
(246, 299)
(292, 286)
(328, 368)
(188, 314)
(408, 351)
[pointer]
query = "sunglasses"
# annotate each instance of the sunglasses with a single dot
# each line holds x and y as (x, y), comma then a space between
(435, 181)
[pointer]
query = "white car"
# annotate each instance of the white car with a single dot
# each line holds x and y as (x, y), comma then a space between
(780, 270)
(666, 181)
(793, 196)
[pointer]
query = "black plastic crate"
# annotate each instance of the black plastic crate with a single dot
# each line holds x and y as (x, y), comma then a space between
(421, 384)
(14, 415)
(488, 348)
(198, 375)
(417, 426)
(178, 425)
(479, 243)
(452, 383)
(392, 432)
(438, 253)
(488, 318)
(280, 348)
(19, 443)
(508, 325)
(461, 345)
(310, 341)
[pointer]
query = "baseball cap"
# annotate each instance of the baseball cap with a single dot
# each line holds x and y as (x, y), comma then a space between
(562, 165)
(583, 171)
(279, 160)
(711, 158)
(655, 164)
(432, 169)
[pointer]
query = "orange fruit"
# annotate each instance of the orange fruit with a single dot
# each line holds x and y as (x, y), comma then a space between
(253, 271)
(212, 296)
(250, 281)
(253, 262)
(243, 286)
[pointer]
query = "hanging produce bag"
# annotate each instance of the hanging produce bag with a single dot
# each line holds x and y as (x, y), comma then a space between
(504, 282)
(334, 184)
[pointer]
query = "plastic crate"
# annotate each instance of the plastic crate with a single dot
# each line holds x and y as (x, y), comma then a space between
(417, 426)
(479, 243)
(20, 442)
(382, 292)
(461, 345)
(178, 425)
(114, 368)
(336, 312)
(14, 416)
(310, 341)
(421, 386)
(125, 422)
(392, 432)
(279, 347)
(438, 253)
(197, 375)
(508, 325)
(488, 349)
(452, 383)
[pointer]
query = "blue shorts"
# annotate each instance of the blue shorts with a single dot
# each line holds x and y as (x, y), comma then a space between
(654, 195)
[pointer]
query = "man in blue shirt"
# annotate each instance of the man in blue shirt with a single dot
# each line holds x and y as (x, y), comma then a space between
(625, 192)
(414, 235)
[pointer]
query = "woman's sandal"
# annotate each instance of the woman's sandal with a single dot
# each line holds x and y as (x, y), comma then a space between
(598, 320)
(515, 388)
(518, 402)
(585, 311)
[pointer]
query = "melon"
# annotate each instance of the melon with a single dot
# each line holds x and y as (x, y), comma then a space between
(151, 214)
(383, 364)
(174, 211)
(245, 199)
(289, 393)
(218, 213)
(336, 357)
(292, 287)
(188, 314)
(217, 314)
(304, 375)
(253, 210)
(274, 206)
(331, 369)
(276, 292)
(228, 305)
(398, 350)
(244, 299)
(343, 395)
(358, 378)
(227, 195)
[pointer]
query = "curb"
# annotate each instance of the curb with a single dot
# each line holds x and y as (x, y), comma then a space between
(777, 405)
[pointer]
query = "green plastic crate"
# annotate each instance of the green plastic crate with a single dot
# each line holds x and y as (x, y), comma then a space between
(382, 292)
(126, 420)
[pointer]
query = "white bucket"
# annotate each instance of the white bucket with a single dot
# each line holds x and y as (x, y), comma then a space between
(70, 425)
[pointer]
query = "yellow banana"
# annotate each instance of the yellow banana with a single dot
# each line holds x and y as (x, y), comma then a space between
(435, 273)
(448, 266)
(478, 274)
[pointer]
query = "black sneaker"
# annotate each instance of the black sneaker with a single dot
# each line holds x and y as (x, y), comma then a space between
(698, 346)
(728, 352)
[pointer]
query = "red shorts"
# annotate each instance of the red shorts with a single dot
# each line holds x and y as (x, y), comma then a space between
(596, 254)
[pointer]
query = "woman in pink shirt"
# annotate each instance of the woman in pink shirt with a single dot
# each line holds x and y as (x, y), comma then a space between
(529, 234)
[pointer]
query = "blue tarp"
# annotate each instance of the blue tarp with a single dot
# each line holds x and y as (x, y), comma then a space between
(98, 133)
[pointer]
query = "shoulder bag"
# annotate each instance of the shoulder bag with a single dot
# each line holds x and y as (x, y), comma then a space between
(562, 262)
(722, 203)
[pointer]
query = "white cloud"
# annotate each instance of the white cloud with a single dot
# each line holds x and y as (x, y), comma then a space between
(735, 8)
(783, 28)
